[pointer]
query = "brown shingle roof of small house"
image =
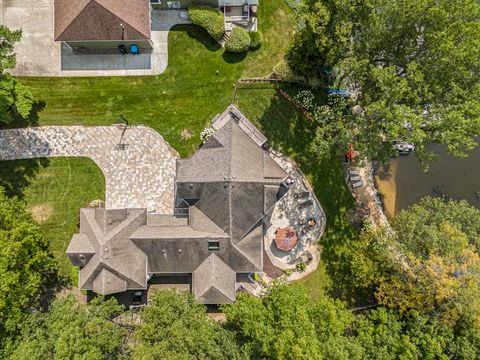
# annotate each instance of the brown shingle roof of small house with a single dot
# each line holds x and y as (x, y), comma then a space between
(91, 20)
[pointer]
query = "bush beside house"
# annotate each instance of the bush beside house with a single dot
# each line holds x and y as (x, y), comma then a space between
(239, 41)
(256, 39)
(212, 20)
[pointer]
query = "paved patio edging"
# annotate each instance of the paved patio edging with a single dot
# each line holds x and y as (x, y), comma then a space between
(138, 164)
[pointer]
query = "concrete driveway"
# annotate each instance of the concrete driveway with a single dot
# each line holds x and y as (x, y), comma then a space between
(39, 55)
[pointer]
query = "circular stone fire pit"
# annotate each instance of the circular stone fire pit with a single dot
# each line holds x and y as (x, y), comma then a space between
(311, 223)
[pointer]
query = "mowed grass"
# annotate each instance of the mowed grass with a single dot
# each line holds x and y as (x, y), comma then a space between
(291, 133)
(54, 189)
(186, 96)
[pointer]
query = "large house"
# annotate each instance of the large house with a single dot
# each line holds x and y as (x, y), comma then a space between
(215, 236)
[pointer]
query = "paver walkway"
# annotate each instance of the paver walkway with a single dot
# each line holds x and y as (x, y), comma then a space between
(140, 176)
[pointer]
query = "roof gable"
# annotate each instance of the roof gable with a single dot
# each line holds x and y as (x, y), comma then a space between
(113, 248)
(91, 20)
(107, 283)
(214, 281)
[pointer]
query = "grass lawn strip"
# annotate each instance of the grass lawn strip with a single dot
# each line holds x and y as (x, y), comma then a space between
(185, 97)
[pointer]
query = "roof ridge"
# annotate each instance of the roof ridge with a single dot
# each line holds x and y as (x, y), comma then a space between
(79, 12)
(122, 20)
(89, 3)
(244, 255)
(117, 273)
(132, 215)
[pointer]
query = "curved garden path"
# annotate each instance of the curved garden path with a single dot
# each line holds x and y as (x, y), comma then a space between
(139, 173)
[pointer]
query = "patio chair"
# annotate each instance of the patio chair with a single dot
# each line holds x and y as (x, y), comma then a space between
(353, 172)
(305, 204)
(134, 49)
(357, 184)
(302, 195)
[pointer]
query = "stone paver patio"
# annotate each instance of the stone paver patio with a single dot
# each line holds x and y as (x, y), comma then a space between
(138, 164)
(287, 212)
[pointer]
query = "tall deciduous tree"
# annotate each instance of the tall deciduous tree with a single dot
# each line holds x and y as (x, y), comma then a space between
(412, 67)
(15, 98)
(27, 267)
(387, 334)
(288, 324)
(174, 326)
(70, 330)
(430, 261)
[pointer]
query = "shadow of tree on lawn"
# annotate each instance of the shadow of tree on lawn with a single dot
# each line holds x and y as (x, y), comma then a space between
(199, 34)
(31, 120)
(291, 133)
(233, 58)
(16, 175)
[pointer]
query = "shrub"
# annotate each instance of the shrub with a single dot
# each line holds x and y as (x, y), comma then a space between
(283, 71)
(256, 39)
(206, 133)
(208, 18)
(288, 272)
(302, 267)
(239, 41)
(305, 99)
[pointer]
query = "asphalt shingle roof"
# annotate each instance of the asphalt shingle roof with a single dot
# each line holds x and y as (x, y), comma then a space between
(229, 184)
(92, 20)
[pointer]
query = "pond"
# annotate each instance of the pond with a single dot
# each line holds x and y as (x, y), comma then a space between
(402, 181)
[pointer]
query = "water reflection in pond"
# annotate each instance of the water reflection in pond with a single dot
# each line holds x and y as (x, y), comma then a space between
(403, 182)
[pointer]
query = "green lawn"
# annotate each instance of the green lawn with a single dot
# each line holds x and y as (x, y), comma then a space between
(54, 190)
(186, 96)
(288, 131)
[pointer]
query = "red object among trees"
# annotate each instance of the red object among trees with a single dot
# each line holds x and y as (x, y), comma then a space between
(350, 153)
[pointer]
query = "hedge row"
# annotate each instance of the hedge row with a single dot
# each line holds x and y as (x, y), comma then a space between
(240, 40)
(208, 18)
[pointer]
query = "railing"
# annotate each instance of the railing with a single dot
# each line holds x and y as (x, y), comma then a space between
(236, 18)
(248, 127)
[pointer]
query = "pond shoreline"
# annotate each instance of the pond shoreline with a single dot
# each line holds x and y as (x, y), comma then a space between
(402, 182)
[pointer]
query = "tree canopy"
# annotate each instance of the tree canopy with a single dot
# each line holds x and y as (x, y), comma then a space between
(288, 324)
(175, 326)
(70, 330)
(15, 98)
(429, 262)
(27, 268)
(412, 68)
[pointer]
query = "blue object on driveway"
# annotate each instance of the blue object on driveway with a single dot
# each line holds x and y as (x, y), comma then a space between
(345, 93)
(134, 49)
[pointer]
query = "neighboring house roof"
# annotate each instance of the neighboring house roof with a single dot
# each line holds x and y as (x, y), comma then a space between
(92, 20)
(229, 185)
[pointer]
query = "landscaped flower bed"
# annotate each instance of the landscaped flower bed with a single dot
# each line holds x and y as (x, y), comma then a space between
(298, 106)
